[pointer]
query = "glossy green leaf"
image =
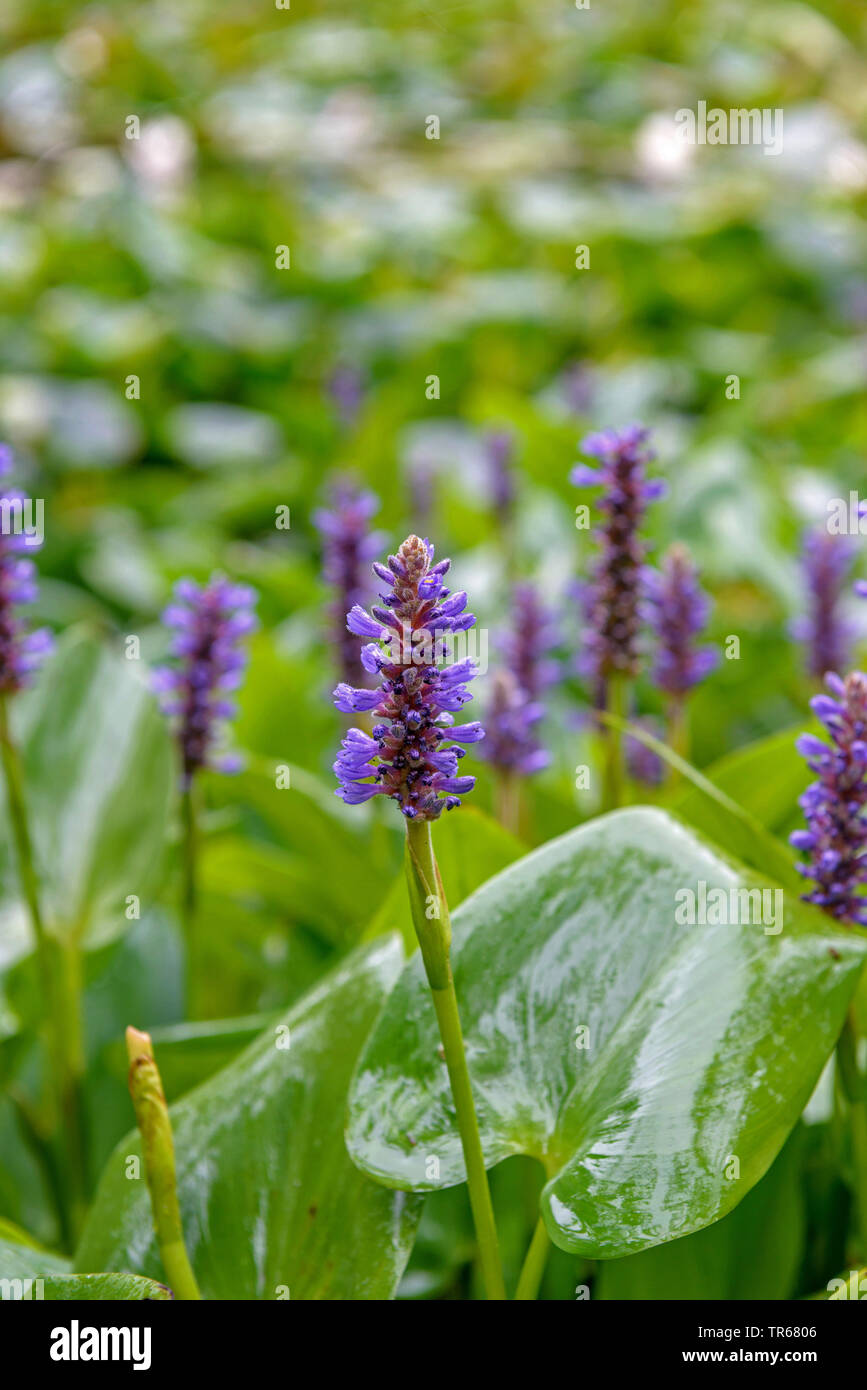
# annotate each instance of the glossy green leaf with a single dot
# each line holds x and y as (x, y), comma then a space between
(98, 766)
(103, 1288)
(269, 1198)
(753, 1253)
(703, 1041)
(28, 1273)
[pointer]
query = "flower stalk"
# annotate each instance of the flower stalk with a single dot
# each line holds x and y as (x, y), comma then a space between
(208, 625)
(610, 600)
(433, 928)
(59, 977)
(533, 1268)
(152, 1117)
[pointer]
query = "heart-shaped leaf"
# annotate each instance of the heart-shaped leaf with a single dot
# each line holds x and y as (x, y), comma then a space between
(753, 1253)
(272, 1206)
(98, 770)
(654, 1067)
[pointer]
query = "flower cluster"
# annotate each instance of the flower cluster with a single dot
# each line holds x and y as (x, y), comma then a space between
(825, 633)
(642, 763)
(406, 757)
(498, 448)
(21, 651)
(514, 708)
(346, 389)
(348, 547)
(208, 624)
(510, 720)
(527, 645)
(610, 601)
(835, 840)
(677, 610)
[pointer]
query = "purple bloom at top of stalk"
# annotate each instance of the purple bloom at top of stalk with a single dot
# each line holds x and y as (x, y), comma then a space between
(514, 707)
(208, 623)
(827, 560)
(408, 757)
(499, 448)
(510, 733)
(526, 645)
(21, 651)
(610, 599)
(348, 547)
(677, 610)
(835, 840)
(346, 389)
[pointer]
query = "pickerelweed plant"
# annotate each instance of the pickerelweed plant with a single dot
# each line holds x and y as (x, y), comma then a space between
(208, 624)
(22, 651)
(412, 757)
(515, 706)
(835, 845)
(823, 630)
(348, 548)
(610, 656)
(677, 611)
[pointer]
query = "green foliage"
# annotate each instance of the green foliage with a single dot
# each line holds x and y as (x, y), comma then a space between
(596, 1025)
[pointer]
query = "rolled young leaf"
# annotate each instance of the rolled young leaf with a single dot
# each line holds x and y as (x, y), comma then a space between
(152, 1115)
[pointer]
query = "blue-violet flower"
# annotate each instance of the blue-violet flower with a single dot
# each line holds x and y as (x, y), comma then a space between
(21, 651)
(835, 840)
(610, 600)
(825, 633)
(408, 757)
(677, 610)
(348, 547)
(208, 624)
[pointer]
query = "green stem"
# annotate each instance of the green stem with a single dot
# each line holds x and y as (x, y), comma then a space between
(615, 776)
(60, 986)
(152, 1114)
(854, 1090)
(534, 1265)
(433, 928)
(189, 896)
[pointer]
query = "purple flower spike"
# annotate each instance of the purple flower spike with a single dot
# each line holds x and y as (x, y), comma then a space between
(515, 705)
(21, 651)
(512, 716)
(526, 647)
(346, 389)
(835, 840)
(826, 635)
(348, 547)
(208, 624)
(499, 448)
(409, 756)
(642, 764)
(610, 601)
(677, 610)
